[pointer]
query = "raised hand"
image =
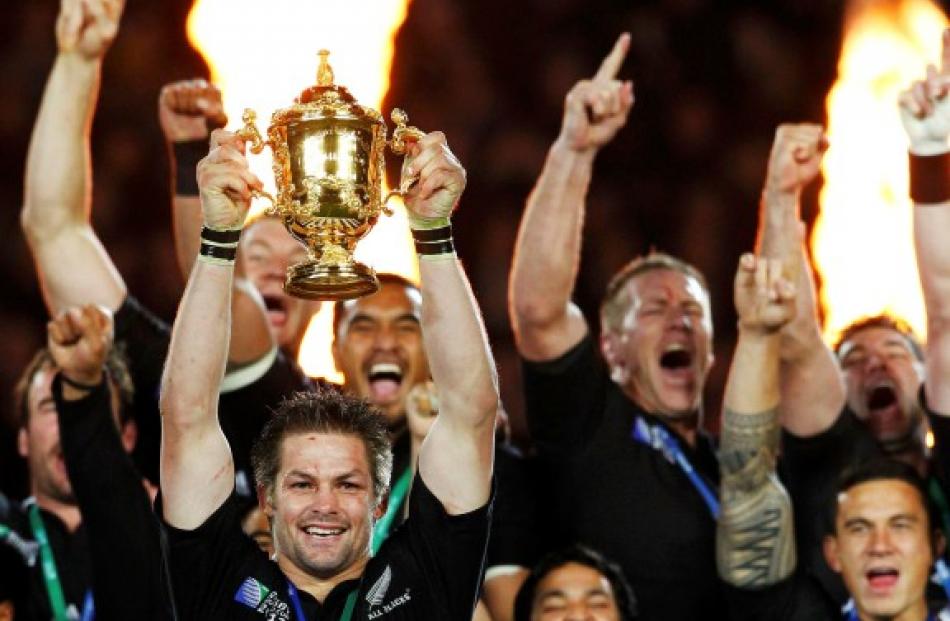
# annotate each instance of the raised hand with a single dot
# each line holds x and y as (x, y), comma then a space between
(88, 27)
(796, 156)
(225, 182)
(765, 300)
(925, 107)
(79, 340)
(190, 110)
(596, 109)
(441, 181)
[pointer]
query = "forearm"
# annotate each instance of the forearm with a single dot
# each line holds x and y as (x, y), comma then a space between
(547, 251)
(58, 162)
(755, 537)
(456, 345)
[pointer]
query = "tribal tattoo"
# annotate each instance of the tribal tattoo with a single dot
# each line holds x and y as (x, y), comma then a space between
(755, 543)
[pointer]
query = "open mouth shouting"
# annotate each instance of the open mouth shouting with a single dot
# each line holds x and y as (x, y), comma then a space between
(676, 362)
(276, 306)
(883, 407)
(385, 380)
(882, 580)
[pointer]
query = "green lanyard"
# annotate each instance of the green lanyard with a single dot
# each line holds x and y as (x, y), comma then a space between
(54, 589)
(396, 497)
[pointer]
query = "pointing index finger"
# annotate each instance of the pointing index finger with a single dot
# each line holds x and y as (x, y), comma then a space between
(614, 60)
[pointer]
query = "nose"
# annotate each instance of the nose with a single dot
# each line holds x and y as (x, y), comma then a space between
(578, 611)
(385, 337)
(880, 542)
(324, 500)
(680, 319)
(874, 362)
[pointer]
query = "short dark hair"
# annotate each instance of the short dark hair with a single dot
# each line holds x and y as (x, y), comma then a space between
(325, 411)
(611, 306)
(883, 469)
(881, 321)
(117, 369)
(385, 278)
(582, 555)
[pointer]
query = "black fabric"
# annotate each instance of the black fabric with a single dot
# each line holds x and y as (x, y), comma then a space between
(809, 468)
(618, 496)
(515, 518)
(429, 568)
(799, 598)
(73, 562)
(242, 413)
(121, 530)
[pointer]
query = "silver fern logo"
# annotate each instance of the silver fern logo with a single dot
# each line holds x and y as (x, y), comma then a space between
(377, 592)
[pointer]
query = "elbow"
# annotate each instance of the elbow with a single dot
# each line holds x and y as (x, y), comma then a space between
(534, 311)
(40, 224)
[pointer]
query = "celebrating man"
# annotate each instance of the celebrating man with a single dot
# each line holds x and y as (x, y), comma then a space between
(323, 460)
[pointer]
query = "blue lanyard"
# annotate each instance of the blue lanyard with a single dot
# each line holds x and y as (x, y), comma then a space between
(298, 607)
(662, 441)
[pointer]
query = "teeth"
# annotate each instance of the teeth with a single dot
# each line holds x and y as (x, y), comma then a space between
(385, 367)
(323, 532)
(674, 347)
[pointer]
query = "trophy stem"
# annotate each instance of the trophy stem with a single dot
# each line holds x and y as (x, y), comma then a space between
(333, 275)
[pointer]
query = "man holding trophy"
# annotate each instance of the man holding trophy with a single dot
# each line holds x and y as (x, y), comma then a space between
(323, 463)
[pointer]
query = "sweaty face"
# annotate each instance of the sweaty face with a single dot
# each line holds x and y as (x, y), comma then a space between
(574, 591)
(267, 250)
(322, 506)
(882, 548)
(378, 348)
(660, 351)
(883, 378)
(39, 442)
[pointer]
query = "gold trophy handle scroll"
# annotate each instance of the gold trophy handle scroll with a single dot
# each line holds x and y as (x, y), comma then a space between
(402, 136)
(249, 133)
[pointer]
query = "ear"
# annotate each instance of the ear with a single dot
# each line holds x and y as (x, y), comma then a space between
(23, 443)
(130, 435)
(830, 549)
(610, 347)
(381, 508)
(264, 502)
(939, 544)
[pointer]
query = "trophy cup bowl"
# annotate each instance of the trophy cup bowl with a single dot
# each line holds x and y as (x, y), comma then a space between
(328, 163)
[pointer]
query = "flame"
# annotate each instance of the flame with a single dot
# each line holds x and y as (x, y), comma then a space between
(863, 238)
(262, 54)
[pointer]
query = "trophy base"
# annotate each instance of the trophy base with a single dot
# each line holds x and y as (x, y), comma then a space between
(313, 281)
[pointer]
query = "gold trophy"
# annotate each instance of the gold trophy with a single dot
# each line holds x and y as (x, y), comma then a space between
(329, 162)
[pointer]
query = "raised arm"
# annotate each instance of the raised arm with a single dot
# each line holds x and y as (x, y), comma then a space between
(548, 248)
(755, 544)
(72, 265)
(188, 111)
(925, 112)
(197, 470)
(811, 385)
(456, 457)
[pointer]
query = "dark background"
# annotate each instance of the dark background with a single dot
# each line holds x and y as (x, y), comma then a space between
(712, 80)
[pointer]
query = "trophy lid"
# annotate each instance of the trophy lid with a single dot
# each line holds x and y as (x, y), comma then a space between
(326, 99)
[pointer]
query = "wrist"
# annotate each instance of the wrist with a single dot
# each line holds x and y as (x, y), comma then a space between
(219, 246)
(562, 151)
(928, 147)
(434, 243)
(758, 333)
(83, 379)
(930, 178)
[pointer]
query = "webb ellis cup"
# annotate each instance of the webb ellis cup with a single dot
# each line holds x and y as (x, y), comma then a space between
(329, 165)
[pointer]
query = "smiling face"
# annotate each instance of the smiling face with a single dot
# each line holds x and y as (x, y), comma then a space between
(378, 347)
(322, 506)
(574, 591)
(659, 350)
(882, 548)
(266, 253)
(883, 377)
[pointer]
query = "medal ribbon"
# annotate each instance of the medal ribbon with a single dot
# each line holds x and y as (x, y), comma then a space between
(659, 439)
(54, 587)
(298, 607)
(396, 497)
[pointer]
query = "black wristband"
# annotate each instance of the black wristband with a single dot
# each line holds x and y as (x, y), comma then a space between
(431, 235)
(186, 156)
(220, 237)
(223, 253)
(930, 178)
(78, 385)
(444, 246)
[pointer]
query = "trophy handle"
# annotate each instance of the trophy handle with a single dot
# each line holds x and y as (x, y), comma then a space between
(403, 135)
(250, 133)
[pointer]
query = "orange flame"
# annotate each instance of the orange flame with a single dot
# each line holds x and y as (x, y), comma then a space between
(262, 54)
(863, 238)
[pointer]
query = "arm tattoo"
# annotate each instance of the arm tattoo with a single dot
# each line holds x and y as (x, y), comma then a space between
(755, 540)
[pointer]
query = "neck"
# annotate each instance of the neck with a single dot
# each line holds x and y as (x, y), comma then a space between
(685, 426)
(68, 513)
(913, 455)
(317, 587)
